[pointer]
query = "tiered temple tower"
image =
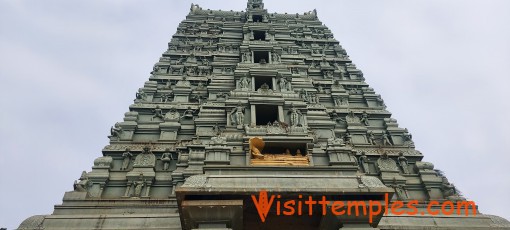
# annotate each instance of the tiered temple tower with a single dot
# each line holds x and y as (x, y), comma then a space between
(247, 101)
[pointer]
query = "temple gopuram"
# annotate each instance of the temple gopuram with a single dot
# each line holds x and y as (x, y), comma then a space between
(246, 113)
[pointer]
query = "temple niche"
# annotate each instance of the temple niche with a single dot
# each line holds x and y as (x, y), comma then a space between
(244, 101)
(276, 153)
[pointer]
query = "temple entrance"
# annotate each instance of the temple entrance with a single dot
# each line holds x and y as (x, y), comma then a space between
(266, 114)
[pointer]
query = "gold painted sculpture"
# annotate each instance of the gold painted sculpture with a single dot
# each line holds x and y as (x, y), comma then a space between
(285, 159)
(256, 147)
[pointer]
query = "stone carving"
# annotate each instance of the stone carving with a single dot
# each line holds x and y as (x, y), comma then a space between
(166, 158)
(83, 184)
(264, 89)
(334, 140)
(337, 86)
(115, 131)
(219, 139)
(371, 182)
(348, 138)
(139, 184)
(371, 138)
(246, 58)
(245, 83)
(284, 84)
(295, 116)
(256, 146)
(380, 101)
(328, 74)
(103, 162)
(424, 166)
(364, 118)
(364, 162)
(449, 190)
(386, 139)
(351, 118)
(172, 115)
(237, 115)
(402, 161)
(407, 138)
(400, 191)
(276, 128)
(141, 95)
(158, 113)
(167, 97)
(336, 117)
(183, 83)
(276, 57)
(196, 181)
(145, 159)
(126, 159)
(386, 164)
(188, 113)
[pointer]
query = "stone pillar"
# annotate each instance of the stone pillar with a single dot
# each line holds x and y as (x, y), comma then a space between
(281, 117)
(253, 118)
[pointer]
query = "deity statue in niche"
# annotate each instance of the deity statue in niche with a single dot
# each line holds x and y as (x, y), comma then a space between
(167, 158)
(276, 154)
(126, 159)
(237, 115)
(295, 116)
(245, 83)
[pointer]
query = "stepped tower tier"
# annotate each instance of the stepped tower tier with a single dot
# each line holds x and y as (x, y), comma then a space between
(249, 101)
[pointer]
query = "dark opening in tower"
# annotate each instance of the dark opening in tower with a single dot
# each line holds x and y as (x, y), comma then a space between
(261, 80)
(261, 56)
(259, 35)
(265, 114)
(257, 18)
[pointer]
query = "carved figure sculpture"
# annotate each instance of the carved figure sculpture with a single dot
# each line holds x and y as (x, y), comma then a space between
(139, 186)
(172, 115)
(188, 114)
(166, 97)
(380, 101)
(348, 138)
(364, 118)
(386, 139)
(126, 159)
(115, 131)
(244, 83)
(141, 95)
(363, 160)
(83, 184)
(166, 158)
(158, 113)
(402, 161)
(371, 138)
(237, 115)
(400, 191)
(295, 116)
(304, 95)
(284, 84)
(276, 57)
(256, 147)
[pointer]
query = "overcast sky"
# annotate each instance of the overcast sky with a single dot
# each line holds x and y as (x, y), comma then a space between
(70, 69)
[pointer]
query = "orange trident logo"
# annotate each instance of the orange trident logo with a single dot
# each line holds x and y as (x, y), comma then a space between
(263, 204)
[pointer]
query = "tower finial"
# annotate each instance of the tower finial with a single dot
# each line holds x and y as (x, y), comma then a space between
(254, 4)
